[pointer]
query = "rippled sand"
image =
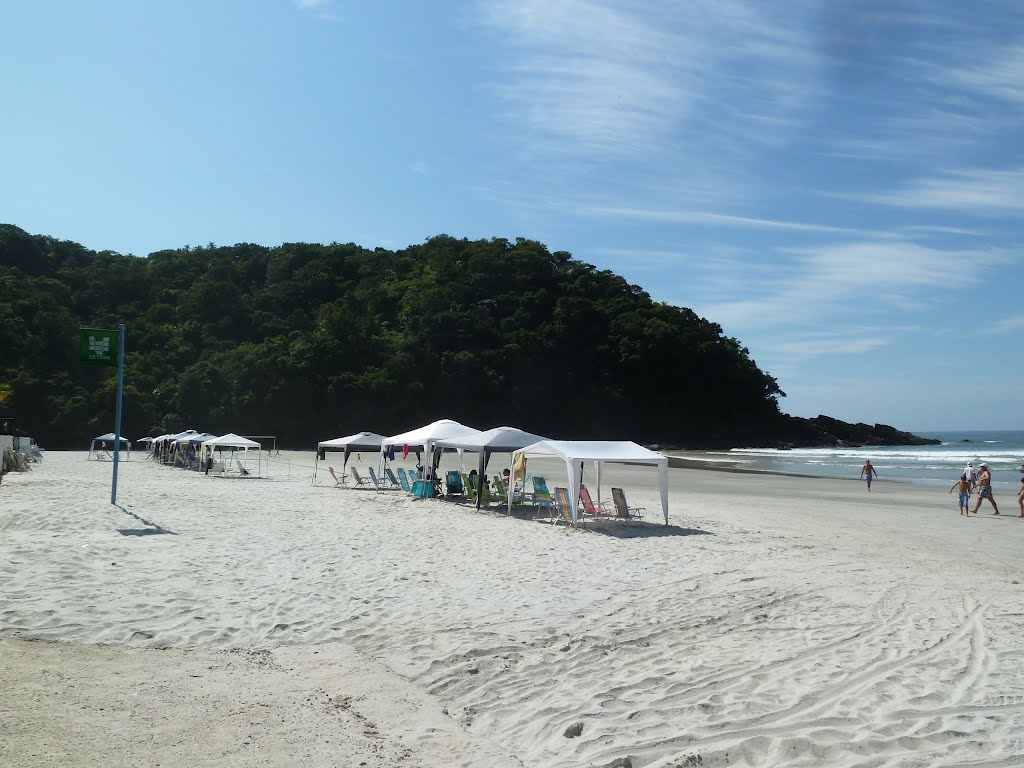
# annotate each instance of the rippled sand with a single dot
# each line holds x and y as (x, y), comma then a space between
(776, 621)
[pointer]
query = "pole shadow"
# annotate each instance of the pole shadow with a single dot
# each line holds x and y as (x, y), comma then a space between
(153, 529)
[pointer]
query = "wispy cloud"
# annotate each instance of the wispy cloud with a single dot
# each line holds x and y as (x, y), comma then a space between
(621, 78)
(716, 219)
(322, 9)
(982, 191)
(998, 74)
(1010, 324)
(846, 280)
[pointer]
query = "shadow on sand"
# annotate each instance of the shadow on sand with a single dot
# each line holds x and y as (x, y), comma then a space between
(152, 530)
(648, 531)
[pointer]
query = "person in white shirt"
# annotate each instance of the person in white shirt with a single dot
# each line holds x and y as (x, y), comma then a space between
(969, 472)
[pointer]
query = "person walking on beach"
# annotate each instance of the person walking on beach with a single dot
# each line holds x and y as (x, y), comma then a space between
(1020, 498)
(965, 494)
(867, 471)
(985, 489)
(969, 472)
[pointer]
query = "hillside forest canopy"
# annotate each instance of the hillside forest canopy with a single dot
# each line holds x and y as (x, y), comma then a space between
(309, 342)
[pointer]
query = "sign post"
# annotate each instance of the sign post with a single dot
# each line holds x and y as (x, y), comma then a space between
(97, 347)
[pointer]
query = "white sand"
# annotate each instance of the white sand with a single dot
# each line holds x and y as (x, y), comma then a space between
(778, 621)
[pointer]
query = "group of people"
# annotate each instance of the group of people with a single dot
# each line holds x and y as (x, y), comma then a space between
(969, 482)
(982, 480)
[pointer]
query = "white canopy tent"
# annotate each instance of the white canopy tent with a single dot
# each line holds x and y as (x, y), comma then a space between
(195, 438)
(232, 442)
(422, 440)
(497, 440)
(575, 453)
(361, 442)
(109, 438)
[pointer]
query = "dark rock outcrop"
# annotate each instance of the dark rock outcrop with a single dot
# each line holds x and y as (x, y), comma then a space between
(826, 432)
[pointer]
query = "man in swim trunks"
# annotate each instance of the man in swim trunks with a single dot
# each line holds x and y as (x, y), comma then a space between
(867, 471)
(985, 489)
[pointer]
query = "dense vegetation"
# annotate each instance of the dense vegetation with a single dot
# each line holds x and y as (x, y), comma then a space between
(310, 342)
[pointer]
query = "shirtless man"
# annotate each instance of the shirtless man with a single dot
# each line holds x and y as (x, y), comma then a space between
(985, 489)
(867, 471)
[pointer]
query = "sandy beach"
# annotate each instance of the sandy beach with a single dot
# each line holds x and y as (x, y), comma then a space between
(777, 621)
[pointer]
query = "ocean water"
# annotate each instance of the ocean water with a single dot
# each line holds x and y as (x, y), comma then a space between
(936, 465)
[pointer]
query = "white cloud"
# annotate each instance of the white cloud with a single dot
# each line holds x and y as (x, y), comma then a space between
(999, 74)
(621, 78)
(712, 218)
(846, 280)
(322, 9)
(1010, 324)
(987, 192)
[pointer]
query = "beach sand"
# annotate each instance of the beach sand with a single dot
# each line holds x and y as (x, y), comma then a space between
(777, 621)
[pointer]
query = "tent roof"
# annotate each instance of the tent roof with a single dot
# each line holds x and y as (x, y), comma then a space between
(596, 450)
(361, 441)
(180, 435)
(198, 437)
(438, 430)
(146, 439)
(231, 440)
(110, 436)
(497, 440)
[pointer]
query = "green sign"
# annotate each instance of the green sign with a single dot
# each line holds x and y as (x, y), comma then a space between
(98, 347)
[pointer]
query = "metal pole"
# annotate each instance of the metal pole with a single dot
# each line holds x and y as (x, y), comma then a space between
(117, 411)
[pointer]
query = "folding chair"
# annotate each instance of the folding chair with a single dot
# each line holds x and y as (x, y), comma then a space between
(360, 481)
(563, 506)
(590, 509)
(622, 510)
(339, 480)
(403, 479)
(541, 495)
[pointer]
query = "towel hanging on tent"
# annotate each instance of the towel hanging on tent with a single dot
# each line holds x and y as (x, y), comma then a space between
(519, 468)
(405, 451)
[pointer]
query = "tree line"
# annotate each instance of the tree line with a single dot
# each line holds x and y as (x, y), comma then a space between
(309, 341)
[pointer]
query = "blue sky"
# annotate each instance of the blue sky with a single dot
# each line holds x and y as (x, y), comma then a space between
(838, 184)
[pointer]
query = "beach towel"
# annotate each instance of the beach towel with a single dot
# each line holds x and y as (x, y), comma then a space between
(519, 469)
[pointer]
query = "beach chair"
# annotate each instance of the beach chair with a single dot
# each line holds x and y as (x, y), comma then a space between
(453, 484)
(500, 491)
(474, 488)
(392, 480)
(339, 481)
(541, 495)
(403, 480)
(241, 470)
(374, 480)
(591, 510)
(562, 506)
(360, 481)
(383, 483)
(622, 510)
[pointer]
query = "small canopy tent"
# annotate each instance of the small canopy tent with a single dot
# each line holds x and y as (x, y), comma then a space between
(109, 438)
(361, 442)
(231, 442)
(575, 453)
(422, 440)
(197, 438)
(497, 440)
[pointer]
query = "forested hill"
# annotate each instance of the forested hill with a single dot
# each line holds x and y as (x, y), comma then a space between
(309, 342)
